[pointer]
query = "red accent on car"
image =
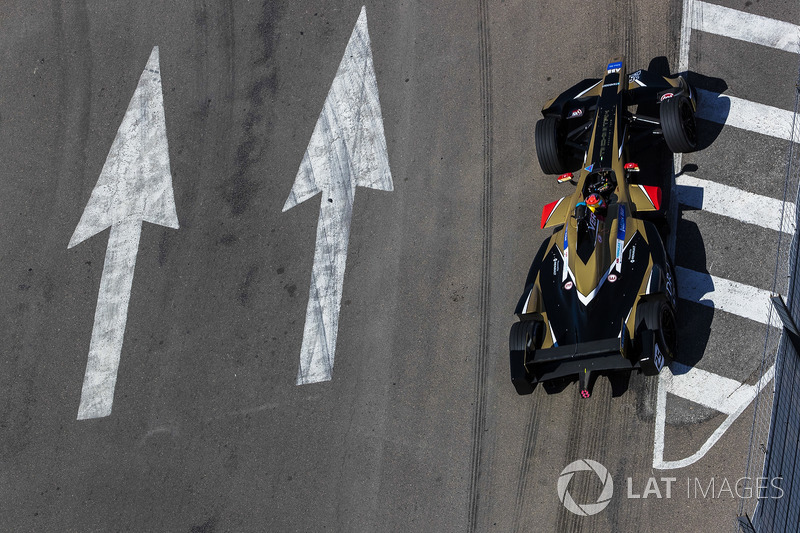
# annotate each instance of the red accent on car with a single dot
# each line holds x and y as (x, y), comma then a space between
(655, 195)
(633, 167)
(547, 211)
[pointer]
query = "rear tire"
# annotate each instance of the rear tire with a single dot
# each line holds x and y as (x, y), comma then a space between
(678, 124)
(522, 343)
(660, 336)
(550, 146)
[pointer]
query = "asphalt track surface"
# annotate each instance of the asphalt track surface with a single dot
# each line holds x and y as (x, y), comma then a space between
(420, 428)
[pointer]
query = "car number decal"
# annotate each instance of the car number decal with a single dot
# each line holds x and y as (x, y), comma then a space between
(658, 358)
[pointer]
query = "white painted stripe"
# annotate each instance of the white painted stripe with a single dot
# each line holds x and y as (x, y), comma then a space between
(747, 115)
(735, 203)
(706, 388)
(135, 185)
(720, 395)
(724, 294)
(683, 68)
(347, 149)
(720, 20)
(686, 34)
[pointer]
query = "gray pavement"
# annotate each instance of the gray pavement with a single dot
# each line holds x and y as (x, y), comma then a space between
(420, 428)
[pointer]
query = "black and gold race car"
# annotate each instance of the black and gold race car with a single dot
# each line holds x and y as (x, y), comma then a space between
(600, 294)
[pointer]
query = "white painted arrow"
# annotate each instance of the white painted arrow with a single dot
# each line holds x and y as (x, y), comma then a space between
(347, 149)
(726, 395)
(135, 185)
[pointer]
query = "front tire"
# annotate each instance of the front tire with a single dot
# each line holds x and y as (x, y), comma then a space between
(549, 146)
(678, 124)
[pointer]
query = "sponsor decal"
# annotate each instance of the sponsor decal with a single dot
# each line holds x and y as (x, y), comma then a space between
(620, 237)
(632, 254)
(568, 285)
(670, 287)
(614, 67)
(665, 96)
(585, 509)
(589, 168)
(555, 266)
(634, 76)
(610, 84)
(606, 134)
(592, 221)
(612, 278)
(575, 113)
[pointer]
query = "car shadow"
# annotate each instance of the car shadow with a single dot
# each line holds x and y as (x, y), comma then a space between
(694, 317)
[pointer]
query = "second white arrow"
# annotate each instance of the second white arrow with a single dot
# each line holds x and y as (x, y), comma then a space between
(347, 149)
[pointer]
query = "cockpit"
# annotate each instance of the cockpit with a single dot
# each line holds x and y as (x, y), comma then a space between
(598, 198)
(602, 181)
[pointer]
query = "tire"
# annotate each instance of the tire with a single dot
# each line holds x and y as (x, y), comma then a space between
(659, 337)
(549, 146)
(678, 124)
(522, 343)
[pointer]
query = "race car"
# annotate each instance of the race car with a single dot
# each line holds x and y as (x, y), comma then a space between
(600, 294)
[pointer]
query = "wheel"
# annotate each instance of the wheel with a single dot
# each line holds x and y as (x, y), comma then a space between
(522, 343)
(678, 124)
(549, 146)
(659, 338)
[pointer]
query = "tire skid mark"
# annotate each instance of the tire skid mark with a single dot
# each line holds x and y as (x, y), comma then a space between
(588, 440)
(531, 436)
(479, 415)
(565, 520)
(631, 37)
(624, 25)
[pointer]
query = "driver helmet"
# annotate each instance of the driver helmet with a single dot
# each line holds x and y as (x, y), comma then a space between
(595, 201)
